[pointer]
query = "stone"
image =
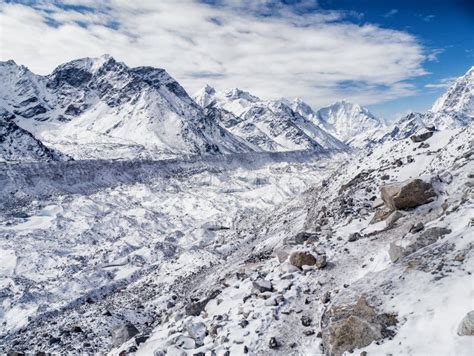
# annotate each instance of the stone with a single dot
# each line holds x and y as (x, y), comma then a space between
(417, 228)
(434, 233)
(385, 177)
(325, 297)
(282, 253)
(300, 238)
(392, 218)
(466, 328)
(123, 333)
(380, 215)
(421, 137)
(198, 331)
(445, 177)
(273, 343)
(302, 258)
(408, 194)
(321, 261)
(306, 320)
(396, 252)
(348, 327)
(353, 237)
(262, 285)
(303, 237)
(195, 308)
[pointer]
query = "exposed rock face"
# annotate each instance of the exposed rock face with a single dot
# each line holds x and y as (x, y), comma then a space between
(347, 327)
(422, 137)
(405, 195)
(466, 328)
(123, 333)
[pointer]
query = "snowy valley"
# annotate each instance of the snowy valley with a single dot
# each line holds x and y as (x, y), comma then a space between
(136, 219)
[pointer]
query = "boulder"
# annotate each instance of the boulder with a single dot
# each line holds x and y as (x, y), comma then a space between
(321, 260)
(347, 327)
(262, 285)
(422, 137)
(353, 237)
(408, 194)
(302, 258)
(417, 228)
(123, 333)
(282, 253)
(396, 252)
(466, 328)
(392, 218)
(197, 331)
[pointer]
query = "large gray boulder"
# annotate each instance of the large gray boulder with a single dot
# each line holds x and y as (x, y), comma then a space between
(123, 333)
(466, 328)
(408, 194)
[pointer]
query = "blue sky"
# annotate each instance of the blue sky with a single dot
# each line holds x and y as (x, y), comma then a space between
(446, 26)
(392, 56)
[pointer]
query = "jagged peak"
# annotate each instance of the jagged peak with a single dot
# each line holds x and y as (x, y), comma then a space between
(236, 93)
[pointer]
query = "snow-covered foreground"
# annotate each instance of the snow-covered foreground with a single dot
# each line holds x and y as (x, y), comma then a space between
(65, 248)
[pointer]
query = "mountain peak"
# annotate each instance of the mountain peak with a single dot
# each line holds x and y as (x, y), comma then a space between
(459, 97)
(236, 93)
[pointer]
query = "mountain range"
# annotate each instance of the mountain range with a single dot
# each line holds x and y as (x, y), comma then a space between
(99, 108)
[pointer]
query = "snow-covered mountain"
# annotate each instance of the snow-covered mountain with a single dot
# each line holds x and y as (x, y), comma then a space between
(459, 99)
(269, 125)
(100, 108)
(17, 144)
(350, 123)
(454, 109)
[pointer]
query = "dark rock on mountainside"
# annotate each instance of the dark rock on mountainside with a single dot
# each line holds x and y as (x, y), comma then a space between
(422, 137)
(405, 195)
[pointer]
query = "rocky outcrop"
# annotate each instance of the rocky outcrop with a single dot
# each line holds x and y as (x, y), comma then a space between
(347, 327)
(422, 137)
(426, 238)
(408, 194)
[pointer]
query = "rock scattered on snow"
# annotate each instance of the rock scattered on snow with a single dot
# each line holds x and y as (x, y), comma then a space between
(405, 195)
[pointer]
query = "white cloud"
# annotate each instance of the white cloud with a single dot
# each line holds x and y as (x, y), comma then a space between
(319, 57)
(441, 84)
(391, 13)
